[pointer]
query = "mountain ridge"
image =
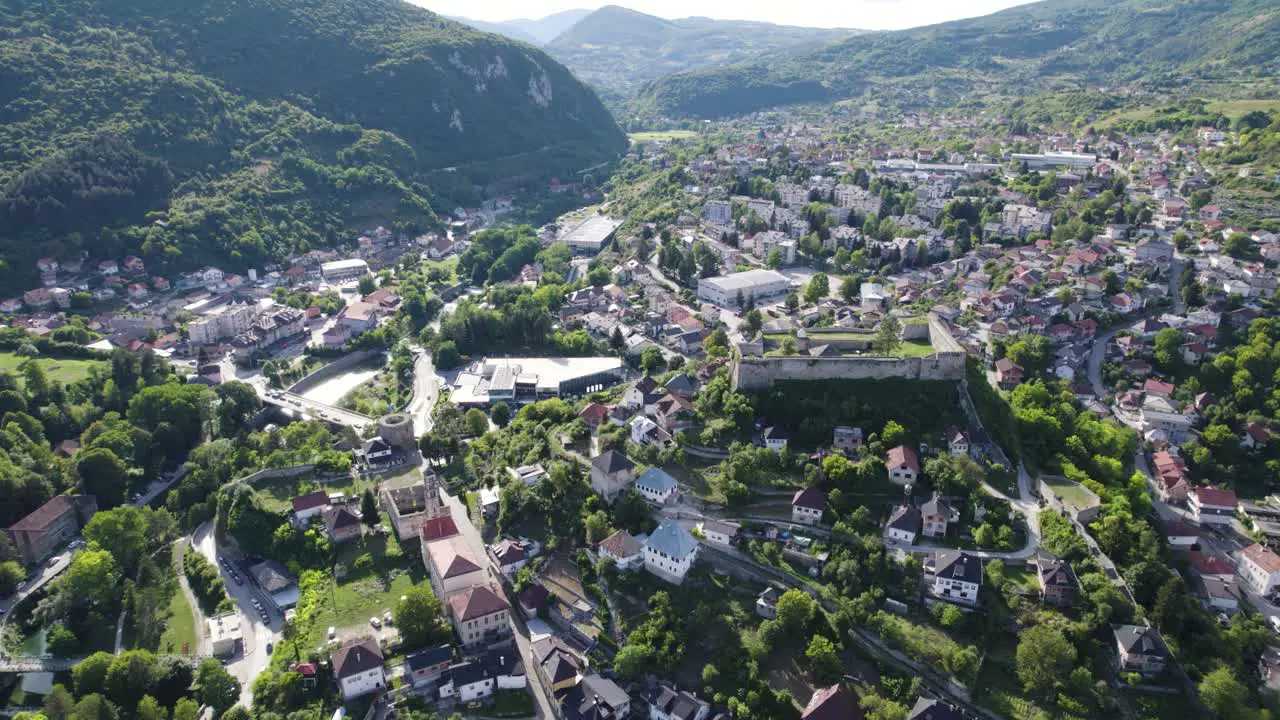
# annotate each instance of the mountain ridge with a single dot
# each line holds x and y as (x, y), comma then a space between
(280, 125)
(1021, 49)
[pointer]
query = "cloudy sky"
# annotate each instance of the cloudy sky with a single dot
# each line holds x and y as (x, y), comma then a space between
(864, 14)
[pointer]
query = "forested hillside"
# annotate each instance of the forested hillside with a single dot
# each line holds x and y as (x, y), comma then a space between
(615, 49)
(192, 131)
(1057, 43)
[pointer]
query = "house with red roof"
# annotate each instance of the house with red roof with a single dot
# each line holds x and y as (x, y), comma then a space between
(594, 414)
(1255, 437)
(480, 615)
(902, 464)
(53, 524)
(1211, 506)
(807, 506)
(308, 506)
(1008, 374)
(833, 703)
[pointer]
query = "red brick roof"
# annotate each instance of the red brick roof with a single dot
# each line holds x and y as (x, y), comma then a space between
(1208, 564)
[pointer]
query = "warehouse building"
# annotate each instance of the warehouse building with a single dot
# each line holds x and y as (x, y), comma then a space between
(340, 270)
(763, 285)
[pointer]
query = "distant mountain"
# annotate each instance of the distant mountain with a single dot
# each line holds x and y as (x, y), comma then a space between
(616, 50)
(194, 131)
(1024, 49)
(535, 32)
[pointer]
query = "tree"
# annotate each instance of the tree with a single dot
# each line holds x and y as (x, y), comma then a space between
(130, 677)
(795, 610)
(888, 336)
(95, 707)
(792, 302)
(186, 709)
(616, 341)
(367, 284)
(90, 675)
(633, 660)
(1168, 350)
(893, 433)
(103, 475)
(216, 687)
(445, 356)
(753, 321)
(237, 713)
(369, 508)
(11, 573)
(596, 526)
(1239, 245)
(121, 531)
(475, 422)
(650, 360)
(417, 614)
(58, 704)
(1045, 656)
(500, 414)
(819, 287)
(1225, 696)
(238, 403)
(150, 709)
(824, 663)
(92, 577)
(1113, 281)
(774, 259)
(850, 287)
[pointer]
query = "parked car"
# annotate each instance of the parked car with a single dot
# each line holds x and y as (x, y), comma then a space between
(1275, 623)
(333, 633)
(374, 621)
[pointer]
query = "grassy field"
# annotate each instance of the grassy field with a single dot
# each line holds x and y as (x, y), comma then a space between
(661, 135)
(64, 371)
(1071, 493)
(378, 570)
(276, 495)
(180, 626)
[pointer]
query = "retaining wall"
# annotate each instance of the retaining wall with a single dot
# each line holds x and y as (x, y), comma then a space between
(337, 367)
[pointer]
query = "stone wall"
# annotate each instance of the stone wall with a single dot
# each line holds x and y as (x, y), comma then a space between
(947, 363)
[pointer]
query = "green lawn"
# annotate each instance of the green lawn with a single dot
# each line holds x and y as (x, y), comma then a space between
(64, 371)
(662, 135)
(511, 703)
(378, 570)
(276, 495)
(1071, 493)
(179, 636)
(1023, 577)
(915, 348)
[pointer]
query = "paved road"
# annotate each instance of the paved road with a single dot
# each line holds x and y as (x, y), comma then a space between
(39, 579)
(426, 388)
(469, 532)
(254, 659)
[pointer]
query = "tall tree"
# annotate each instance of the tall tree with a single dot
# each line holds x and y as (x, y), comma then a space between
(417, 615)
(369, 508)
(888, 336)
(1045, 656)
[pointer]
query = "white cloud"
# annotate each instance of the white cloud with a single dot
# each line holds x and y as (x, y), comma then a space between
(865, 14)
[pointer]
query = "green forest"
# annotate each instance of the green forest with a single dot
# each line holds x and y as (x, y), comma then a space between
(193, 132)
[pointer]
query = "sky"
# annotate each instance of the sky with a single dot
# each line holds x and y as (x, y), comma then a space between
(861, 14)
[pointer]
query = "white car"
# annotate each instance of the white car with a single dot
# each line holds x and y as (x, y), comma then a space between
(386, 617)
(374, 621)
(333, 633)
(1275, 623)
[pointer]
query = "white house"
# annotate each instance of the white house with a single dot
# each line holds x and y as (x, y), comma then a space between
(807, 506)
(623, 549)
(671, 704)
(358, 668)
(669, 552)
(645, 431)
(1259, 567)
(902, 464)
(717, 532)
(306, 507)
(958, 443)
(955, 576)
(903, 525)
(656, 485)
(775, 439)
(479, 678)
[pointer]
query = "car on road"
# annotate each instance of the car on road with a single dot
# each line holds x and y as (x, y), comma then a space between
(386, 617)
(270, 647)
(333, 633)
(1275, 623)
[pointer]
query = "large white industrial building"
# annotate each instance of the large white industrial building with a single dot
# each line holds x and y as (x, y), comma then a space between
(763, 285)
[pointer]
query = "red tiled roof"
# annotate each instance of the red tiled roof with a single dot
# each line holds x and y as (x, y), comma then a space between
(811, 498)
(40, 519)
(1215, 496)
(1208, 564)
(1262, 557)
(833, 703)
(310, 501)
(475, 602)
(439, 527)
(900, 456)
